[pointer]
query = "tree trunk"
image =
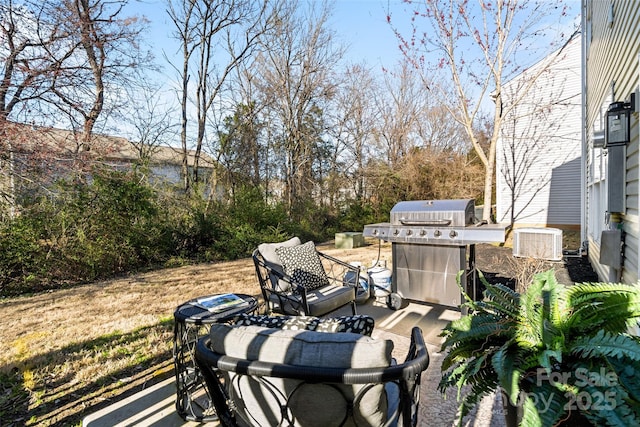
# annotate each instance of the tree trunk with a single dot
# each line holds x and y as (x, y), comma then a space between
(488, 183)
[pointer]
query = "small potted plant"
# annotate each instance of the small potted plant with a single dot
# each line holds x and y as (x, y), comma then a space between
(558, 354)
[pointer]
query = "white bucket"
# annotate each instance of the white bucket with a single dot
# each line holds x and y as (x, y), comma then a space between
(380, 279)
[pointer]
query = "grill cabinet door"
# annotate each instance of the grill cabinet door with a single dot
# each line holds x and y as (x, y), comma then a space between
(428, 272)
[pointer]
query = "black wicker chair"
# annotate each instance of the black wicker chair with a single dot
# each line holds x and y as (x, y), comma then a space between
(246, 391)
(287, 294)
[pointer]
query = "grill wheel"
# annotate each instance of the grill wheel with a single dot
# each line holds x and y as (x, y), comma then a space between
(395, 301)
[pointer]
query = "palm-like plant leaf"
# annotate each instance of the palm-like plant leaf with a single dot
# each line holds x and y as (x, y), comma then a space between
(480, 329)
(549, 408)
(531, 316)
(474, 372)
(485, 384)
(609, 407)
(622, 304)
(500, 299)
(605, 344)
(530, 414)
(628, 373)
(552, 298)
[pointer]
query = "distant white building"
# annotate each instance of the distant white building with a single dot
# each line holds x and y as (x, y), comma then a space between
(51, 153)
(538, 157)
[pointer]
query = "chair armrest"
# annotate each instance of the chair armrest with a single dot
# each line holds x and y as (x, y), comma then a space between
(296, 296)
(336, 269)
(264, 270)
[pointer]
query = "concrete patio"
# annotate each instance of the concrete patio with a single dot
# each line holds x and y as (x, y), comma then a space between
(155, 406)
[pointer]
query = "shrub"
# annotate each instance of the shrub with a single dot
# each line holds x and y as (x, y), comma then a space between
(247, 222)
(87, 230)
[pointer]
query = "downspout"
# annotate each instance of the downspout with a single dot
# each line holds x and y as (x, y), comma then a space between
(584, 243)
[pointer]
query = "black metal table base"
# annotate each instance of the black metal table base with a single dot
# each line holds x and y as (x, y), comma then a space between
(193, 402)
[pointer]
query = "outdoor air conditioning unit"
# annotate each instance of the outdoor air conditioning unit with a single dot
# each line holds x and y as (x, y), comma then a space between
(541, 243)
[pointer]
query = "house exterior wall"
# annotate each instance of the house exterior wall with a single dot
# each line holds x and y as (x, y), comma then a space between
(538, 164)
(611, 46)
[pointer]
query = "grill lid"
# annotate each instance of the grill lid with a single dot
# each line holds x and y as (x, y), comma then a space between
(453, 213)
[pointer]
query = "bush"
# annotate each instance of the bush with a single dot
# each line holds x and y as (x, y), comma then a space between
(193, 227)
(86, 231)
(356, 215)
(117, 223)
(249, 221)
(23, 257)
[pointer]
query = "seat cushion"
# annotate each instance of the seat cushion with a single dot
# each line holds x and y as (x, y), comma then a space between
(260, 402)
(303, 264)
(301, 347)
(321, 301)
(328, 298)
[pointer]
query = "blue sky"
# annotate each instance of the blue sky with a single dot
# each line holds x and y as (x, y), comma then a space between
(360, 24)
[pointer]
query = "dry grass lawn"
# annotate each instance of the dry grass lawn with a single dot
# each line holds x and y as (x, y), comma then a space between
(69, 352)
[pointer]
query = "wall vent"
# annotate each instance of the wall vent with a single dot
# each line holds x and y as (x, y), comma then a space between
(540, 243)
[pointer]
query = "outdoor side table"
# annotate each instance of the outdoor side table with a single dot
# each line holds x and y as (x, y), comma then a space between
(193, 402)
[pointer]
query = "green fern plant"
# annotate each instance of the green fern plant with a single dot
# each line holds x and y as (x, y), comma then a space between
(556, 352)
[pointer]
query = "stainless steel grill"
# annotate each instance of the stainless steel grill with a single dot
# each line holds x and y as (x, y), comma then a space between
(431, 242)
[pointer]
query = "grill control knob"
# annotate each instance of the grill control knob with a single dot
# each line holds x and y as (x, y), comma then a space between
(396, 232)
(376, 232)
(423, 232)
(409, 232)
(437, 233)
(453, 234)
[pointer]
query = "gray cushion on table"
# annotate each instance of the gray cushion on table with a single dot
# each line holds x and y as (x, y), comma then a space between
(311, 404)
(271, 259)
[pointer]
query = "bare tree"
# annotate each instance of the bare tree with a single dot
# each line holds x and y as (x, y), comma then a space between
(258, 148)
(61, 57)
(296, 80)
(148, 121)
(239, 153)
(469, 50)
(24, 33)
(215, 37)
(94, 64)
(25, 29)
(354, 129)
(401, 104)
(436, 131)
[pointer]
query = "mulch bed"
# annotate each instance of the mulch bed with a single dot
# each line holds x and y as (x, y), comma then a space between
(498, 265)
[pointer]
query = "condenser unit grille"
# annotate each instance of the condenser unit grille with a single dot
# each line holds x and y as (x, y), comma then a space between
(539, 243)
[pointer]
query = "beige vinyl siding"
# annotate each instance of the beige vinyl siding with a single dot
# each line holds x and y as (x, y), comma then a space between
(612, 48)
(539, 154)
